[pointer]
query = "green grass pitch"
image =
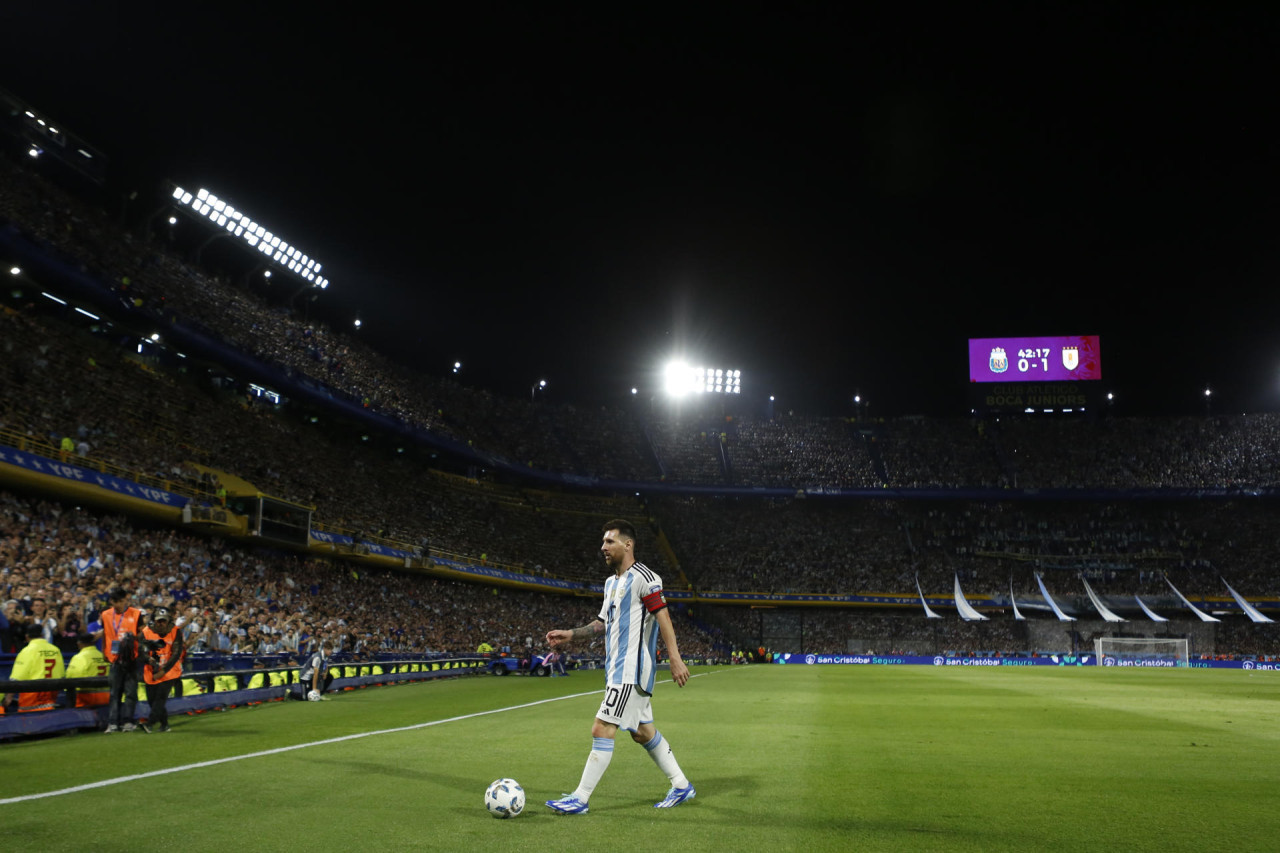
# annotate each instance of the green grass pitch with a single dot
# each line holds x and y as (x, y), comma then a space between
(808, 758)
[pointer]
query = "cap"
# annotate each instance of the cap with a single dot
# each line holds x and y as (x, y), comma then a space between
(161, 614)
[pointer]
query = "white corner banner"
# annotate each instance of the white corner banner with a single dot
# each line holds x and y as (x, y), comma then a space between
(1204, 617)
(929, 614)
(967, 613)
(1147, 610)
(1249, 609)
(1016, 615)
(1053, 605)
(1098, 605)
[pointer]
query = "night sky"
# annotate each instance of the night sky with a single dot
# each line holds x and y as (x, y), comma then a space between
(831, 200)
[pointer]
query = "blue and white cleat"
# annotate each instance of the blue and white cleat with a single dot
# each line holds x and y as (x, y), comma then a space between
(675, 797)
(568, 804)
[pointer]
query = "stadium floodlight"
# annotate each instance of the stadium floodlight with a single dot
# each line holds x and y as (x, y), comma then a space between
(15, 270)
(680, 379)
(224, 215)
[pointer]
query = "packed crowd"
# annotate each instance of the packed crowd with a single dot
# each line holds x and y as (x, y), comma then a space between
(64, 381)
(810, 545)
(58, 564)
(633, 445)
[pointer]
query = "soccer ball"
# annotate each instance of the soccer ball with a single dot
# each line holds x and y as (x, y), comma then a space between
(505, 798)
(313, 696)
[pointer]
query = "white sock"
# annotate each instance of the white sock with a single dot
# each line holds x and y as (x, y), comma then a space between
(660, 751)
(597, 763)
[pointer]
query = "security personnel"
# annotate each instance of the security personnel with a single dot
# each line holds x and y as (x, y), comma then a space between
(88, 663)
(224, 682)
(120, 626)
(259, 678)
(278, 677)
(38, 660)
(164, 650)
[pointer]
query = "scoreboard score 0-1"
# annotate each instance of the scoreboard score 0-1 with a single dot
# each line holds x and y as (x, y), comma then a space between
(1065, 358)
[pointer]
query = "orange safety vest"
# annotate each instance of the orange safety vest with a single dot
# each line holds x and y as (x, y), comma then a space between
(115, 625)
(167, 652)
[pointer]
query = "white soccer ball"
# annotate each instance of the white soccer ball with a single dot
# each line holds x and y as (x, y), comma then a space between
(504, 798)
(313, 696)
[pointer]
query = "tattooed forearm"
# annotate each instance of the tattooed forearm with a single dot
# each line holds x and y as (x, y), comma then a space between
(587, 630)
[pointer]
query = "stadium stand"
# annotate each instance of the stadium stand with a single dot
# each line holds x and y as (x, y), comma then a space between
(776, 506)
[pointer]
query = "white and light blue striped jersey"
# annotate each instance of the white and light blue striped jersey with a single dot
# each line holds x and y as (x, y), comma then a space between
(630, 629)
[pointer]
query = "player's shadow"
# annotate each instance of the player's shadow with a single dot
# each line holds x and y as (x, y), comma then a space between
(722, 790)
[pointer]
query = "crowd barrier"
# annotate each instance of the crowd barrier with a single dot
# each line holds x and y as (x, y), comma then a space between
(68, 719)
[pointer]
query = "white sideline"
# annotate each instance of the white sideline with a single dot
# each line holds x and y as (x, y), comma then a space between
(121, 779)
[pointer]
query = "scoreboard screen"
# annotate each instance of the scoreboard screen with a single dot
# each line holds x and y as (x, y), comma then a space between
(1047, 359)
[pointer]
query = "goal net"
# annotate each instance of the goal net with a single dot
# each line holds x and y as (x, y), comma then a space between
(1141, 651)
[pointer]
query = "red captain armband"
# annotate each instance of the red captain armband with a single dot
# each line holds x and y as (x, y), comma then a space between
(653, 602)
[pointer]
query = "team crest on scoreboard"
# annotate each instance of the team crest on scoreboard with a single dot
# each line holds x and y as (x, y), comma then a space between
(998, 362)
(1070, 357)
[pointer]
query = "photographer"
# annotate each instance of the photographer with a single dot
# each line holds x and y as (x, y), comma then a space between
(120, 626)
(164, 651)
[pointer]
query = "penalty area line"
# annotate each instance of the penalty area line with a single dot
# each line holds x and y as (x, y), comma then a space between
(119, 780)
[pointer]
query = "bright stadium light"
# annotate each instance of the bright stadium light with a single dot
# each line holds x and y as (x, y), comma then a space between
(680, 379)
(236, 223)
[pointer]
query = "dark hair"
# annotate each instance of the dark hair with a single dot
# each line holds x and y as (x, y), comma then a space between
(625, 528)
(84, 638)
(34, 629)
(118, 594)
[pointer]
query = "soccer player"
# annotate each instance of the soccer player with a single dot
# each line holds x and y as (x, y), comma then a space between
(633, 615)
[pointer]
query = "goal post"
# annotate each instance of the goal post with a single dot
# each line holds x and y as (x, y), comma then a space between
(1142, 651)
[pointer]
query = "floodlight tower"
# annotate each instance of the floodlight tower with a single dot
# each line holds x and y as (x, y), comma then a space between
(228, 221)
(680, 381)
